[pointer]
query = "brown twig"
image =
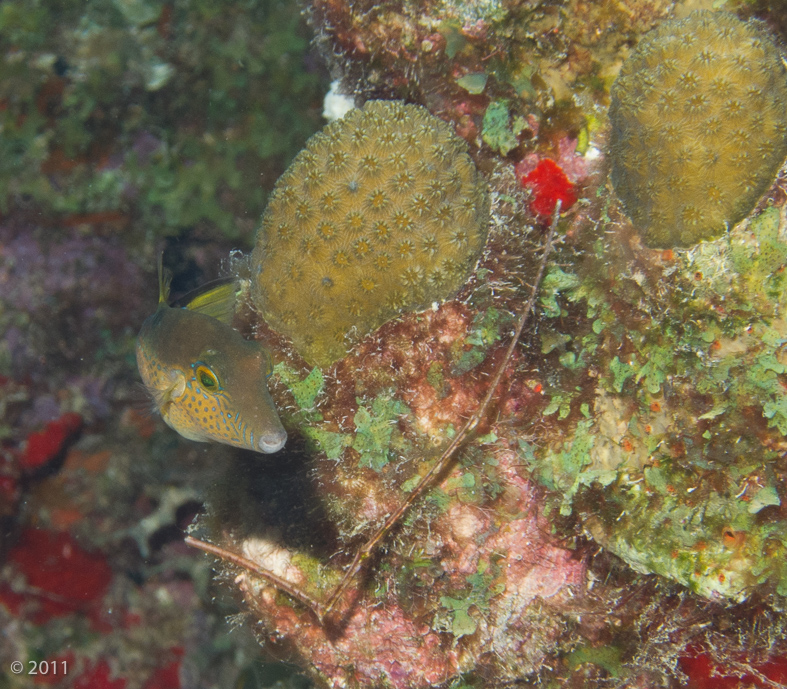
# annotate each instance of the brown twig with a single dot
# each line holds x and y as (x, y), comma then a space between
(282, 584)
(323, 611)
(445, 459)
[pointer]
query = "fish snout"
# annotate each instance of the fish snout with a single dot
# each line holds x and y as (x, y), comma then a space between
(272, 441)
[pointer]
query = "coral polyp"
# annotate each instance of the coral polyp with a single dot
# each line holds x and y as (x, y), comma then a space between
(698, 126)
(382, 212)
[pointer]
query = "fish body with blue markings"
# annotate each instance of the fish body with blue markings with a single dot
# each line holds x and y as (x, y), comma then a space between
(206, 380)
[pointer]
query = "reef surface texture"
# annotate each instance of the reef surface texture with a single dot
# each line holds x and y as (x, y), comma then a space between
(641, 419)
(475, 580)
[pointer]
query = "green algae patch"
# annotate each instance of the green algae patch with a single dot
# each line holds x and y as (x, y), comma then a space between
(436, 378)
(485, 331)
(374, 426)
(770, 253)
(621, 371)
(712, 543)
(570, 468)
(555, 283)
(462, 624)
(306, 390)
(474, 82)
(560, 403)
(482, 590)
(330, 442)
(764, 497)
(606, 657)
(486, 328)
(375, 422)
(680, 371)
(455, 41)
(498, 132)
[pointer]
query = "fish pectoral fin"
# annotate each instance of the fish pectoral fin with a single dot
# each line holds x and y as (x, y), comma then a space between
(164, 280)
(165, 395)
(168, 400)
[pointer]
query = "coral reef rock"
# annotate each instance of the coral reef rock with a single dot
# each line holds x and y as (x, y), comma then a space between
(678, 469)
(698, 126)
(382, 212)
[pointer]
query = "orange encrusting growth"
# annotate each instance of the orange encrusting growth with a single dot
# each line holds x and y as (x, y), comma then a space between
(383, 212)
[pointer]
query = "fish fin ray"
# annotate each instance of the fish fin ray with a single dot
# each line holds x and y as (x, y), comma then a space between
(216, 299)
(164, 280)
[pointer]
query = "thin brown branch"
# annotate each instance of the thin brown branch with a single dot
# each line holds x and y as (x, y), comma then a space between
(447, 457)
(323, 611)
(273, 579)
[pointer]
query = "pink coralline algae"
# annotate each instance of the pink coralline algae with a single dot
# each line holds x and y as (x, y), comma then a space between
(390, 640)
(376, 644)
(475, 581)
(535, 566)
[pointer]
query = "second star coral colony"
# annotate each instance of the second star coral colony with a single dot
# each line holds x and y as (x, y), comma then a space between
(619, 516)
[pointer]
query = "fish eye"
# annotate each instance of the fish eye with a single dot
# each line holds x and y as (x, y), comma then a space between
(207, 379)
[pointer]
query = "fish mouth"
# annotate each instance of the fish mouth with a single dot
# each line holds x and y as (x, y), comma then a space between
(272, 442)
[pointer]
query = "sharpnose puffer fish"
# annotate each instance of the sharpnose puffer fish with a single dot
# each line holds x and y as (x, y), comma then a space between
(208, 383)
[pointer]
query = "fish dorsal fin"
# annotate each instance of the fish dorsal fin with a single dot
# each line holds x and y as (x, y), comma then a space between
(164, 280)
(215, 299)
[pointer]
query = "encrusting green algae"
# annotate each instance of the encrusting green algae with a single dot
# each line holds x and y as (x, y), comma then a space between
(681, 415)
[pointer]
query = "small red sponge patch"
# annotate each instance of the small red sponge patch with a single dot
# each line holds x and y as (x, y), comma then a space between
(548, 183)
